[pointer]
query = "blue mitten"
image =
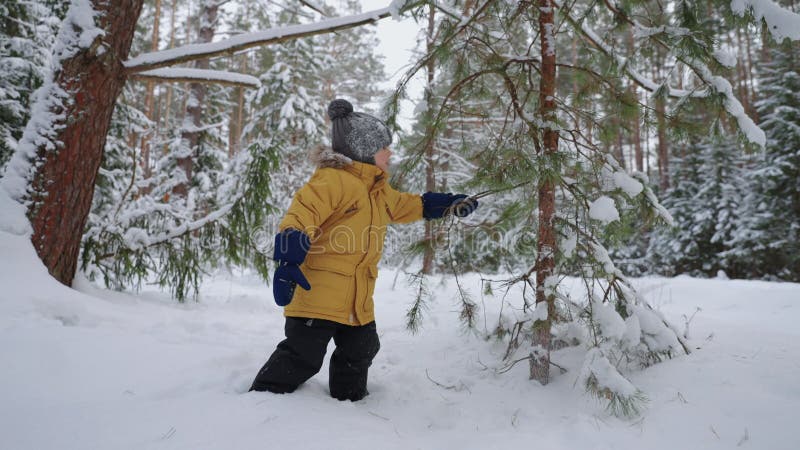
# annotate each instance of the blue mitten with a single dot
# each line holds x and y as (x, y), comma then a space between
(436, 205)
(291, 247)
(287, 276)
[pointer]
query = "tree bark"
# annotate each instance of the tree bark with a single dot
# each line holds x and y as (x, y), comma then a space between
(63, 182)
(430, 173)
(546, 246)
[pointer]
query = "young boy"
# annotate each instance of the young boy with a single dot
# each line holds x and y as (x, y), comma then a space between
(329, 243)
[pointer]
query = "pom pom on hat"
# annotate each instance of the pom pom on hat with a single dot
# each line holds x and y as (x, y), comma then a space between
(339, 109)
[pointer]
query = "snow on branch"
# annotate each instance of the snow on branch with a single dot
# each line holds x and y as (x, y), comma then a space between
(641, 80)
(200, 75)
(781, 22)
(192, 52)
(713, 84)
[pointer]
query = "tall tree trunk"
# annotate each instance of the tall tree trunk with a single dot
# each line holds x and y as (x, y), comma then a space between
(751, 88)
(741, 71)
(663, 147)
(430, 173)
(63, 181)
(637, 137)
(546, 246)
(150, 96)
(195, 105)
(237, 116)
(619, 150)
(168, 102)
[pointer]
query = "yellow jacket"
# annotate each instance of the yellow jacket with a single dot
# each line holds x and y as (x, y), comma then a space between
(344, 208)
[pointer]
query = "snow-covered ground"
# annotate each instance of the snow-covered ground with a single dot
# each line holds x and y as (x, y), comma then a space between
(94, 369)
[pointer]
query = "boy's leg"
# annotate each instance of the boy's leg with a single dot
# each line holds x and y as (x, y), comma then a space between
(355, 349)
(297, 358)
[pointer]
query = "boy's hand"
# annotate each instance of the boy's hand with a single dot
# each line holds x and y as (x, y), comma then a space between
(436, 205)
(286, 277)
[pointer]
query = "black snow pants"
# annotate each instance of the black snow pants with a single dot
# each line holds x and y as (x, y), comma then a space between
(300, 356)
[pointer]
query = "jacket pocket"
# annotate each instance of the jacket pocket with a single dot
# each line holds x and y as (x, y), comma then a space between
(332, 287)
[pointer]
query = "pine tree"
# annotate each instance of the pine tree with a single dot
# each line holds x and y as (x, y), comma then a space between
(705, 201)
(768, 243)
(27, 31)
(559, 152)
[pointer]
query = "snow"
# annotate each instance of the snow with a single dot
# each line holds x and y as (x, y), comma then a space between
(568, 245)
(610, 323)
(627, 183)
(13, 220)
(749, 128)
(395, 9)
(91, 368)
(782, 23)
(203, 74)
(725, 57)
(606, 377)
(604, 210)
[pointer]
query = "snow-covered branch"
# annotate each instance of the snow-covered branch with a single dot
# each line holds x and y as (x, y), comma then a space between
(641, 80)
(192, 52)
(781, 22)
(713, 84)
(174, 75)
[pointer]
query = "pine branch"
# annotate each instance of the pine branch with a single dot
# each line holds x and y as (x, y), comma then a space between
(641, 80)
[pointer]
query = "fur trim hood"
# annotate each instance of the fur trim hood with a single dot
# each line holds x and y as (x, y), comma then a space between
(325, 157)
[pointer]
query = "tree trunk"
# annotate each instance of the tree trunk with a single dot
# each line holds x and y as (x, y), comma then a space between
(197, 97)
(168, 102)
(63, 182)
(546, 246)
(150, 96)
(663, 148)
(751, 91)
(237, 117)
(637, 137)
(430, 173)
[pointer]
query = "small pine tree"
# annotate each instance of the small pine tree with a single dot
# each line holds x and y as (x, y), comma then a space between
(704, 200)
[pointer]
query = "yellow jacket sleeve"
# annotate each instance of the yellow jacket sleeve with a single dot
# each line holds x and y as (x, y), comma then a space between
(403, 207)
(314, 203)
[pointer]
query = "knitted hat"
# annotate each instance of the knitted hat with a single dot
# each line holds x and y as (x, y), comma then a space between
(356, 135)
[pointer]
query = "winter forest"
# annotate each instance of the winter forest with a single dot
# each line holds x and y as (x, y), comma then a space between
(629, 279)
